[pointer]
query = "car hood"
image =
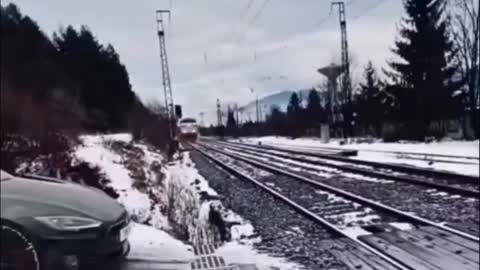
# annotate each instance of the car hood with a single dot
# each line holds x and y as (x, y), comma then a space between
(27, 197)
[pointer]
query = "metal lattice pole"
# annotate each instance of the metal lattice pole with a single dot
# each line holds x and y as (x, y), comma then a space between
(347, 83)
(167, 87)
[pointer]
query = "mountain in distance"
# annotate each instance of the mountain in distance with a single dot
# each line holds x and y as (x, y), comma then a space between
(248, 112)
(280, 99)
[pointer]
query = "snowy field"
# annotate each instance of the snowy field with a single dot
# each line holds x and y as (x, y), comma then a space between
(391, 152)
(152, 242)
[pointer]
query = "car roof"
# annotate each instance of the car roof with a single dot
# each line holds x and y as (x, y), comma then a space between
(4, 175)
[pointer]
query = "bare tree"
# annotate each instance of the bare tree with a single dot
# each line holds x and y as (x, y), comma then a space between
(466, 27)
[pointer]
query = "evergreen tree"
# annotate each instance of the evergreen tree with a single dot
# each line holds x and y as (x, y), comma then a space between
(427, 64)
(105, 90)
(369, 101)
(231, 122)
(276, 123)
(314, 111)
(294, 116)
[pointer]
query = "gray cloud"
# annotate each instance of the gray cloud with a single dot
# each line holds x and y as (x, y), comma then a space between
(288, 42)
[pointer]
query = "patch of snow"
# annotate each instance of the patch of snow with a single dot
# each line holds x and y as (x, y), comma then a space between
(355, 232)
(186, 172)
(123, 137)
(150, 243)
(95, 153)
(354, 218)
(365, 178)
(457, 93)
(441, 193)
(242, 233)
(243, 254)
(402, 226)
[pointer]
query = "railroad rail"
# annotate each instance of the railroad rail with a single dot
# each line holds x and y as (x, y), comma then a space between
(444, 182)
(317, 216)
(442, 158)
(307, 213)
(394, 167)
(359, 199)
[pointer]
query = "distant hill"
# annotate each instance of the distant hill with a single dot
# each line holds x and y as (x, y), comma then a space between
(248, 111)
(279, 99)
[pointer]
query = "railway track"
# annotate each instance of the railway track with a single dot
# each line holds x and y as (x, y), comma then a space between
(342, 213)
(440, 158)
(444, 181)
(455, 211)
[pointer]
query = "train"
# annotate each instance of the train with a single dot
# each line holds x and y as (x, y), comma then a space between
(187, 130)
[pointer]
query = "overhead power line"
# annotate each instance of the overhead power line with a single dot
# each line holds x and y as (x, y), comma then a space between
(246, 10)
(370, 8)
(259, 12)
(254, 18)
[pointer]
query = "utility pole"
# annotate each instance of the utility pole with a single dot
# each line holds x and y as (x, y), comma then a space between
(219, 114)
(347, 84)
(167, 86)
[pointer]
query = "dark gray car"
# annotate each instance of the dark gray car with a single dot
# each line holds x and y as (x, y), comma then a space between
(52, 224)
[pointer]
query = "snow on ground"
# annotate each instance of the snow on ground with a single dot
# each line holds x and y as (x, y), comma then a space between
(379, 151)
(244, 254)
(148, 242)
(95, 152)
(151, 243)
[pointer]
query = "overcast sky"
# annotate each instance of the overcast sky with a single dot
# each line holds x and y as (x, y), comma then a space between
(221, 48)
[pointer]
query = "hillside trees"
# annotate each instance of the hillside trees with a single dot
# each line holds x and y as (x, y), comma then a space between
(61, 85)
(103, 80)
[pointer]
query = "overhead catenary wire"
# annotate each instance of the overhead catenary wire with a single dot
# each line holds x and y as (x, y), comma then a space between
(259, 54)
(325, 19)
(369, 9)
(247, 9)
(243, 15)
(253, 19)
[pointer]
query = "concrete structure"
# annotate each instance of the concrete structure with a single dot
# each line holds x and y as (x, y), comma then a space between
(332, 72)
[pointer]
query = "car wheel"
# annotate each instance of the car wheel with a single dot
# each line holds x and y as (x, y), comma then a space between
(17, 250)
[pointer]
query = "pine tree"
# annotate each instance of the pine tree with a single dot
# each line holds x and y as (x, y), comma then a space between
(276, 123)
(369, 104)
(427, 64)
(105, 90)
(231, 122)
(314, 110)
(294, 116)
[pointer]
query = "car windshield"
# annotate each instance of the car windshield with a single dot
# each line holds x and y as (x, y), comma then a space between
(5, 176)
(188, 121)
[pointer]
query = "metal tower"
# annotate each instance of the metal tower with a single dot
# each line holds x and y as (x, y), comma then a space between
(167, 87)
(347, 84)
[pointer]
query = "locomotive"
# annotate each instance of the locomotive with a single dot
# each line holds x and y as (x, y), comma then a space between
(187, 130)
